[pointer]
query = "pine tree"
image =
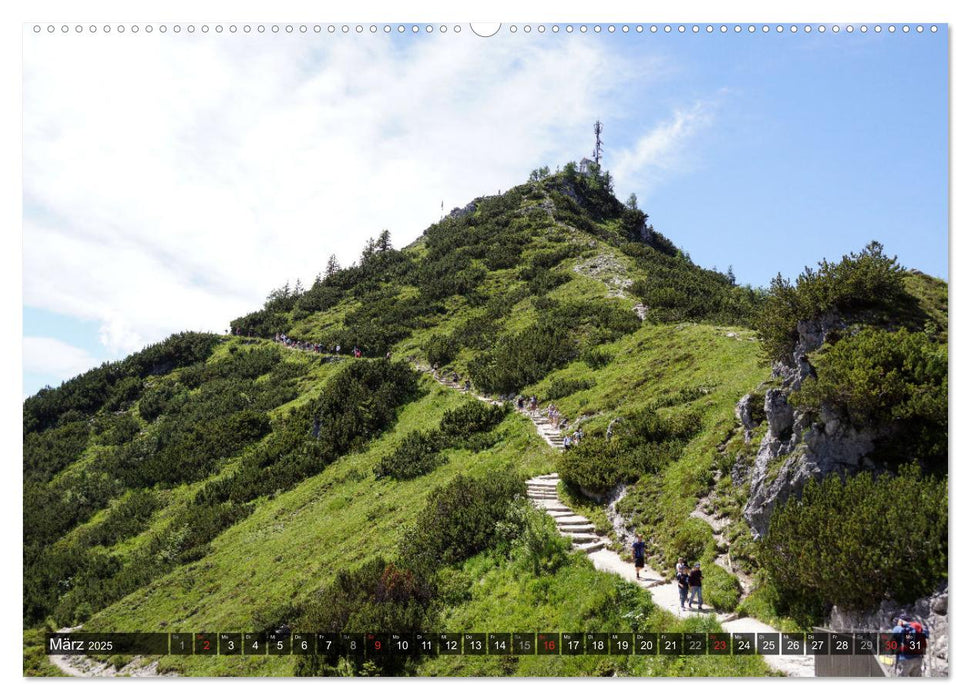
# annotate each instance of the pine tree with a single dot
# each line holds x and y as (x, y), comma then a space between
(333, 266)
(369, 249)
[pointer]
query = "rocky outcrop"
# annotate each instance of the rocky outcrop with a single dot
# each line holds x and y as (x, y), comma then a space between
(808, 446)
(750, 412)
(608, 269)
(462, 211)
(930, 611)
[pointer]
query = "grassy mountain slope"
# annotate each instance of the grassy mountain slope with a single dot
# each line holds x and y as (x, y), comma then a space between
(231, 484)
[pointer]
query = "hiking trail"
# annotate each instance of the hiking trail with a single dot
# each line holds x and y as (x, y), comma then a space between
(543, 492)
(85, 667)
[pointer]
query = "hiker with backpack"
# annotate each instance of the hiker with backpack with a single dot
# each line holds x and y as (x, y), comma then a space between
(911, 640)
(638, 551)
(694, 586)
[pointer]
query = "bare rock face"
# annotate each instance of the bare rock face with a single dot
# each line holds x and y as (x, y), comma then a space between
(816, 445)
(930, 611)
(812, 334)
(814, 453)
(749, 413)
(779, 414)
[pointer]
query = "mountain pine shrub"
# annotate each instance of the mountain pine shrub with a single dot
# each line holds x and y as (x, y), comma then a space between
(857, 543)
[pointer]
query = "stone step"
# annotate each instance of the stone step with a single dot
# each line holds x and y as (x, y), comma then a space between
(588, 527)
(570, 519)
(558, 509)
(582, 537)
(589, 547)
(541, 490)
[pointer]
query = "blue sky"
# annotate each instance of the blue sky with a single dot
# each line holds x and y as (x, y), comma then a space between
(171, 182)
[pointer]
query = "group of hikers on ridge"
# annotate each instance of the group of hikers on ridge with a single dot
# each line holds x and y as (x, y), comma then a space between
(305, 345)
(688, 578)
(289, 342)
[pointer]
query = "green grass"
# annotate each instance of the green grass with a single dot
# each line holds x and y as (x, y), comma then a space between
(35, 660)
(293, 544)
(575, 598)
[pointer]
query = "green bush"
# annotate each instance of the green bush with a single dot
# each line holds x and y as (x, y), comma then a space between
(560, 387)
(356, 405)
(532, 538)
(114, 382)
(191, 455)
(246, 363)
(857, 543)
(441, 349)
(459, 424)
(479, 332)
(459, 519)
(462, 427)
(384, 317)
(691, 539)
(417, 454)
(522, 358)
(894, 382)
(644, 443)
(116, 429)
(378, 596)
(864, 281)
(719, 588)
(47, 453)
(597, 358)
(159, 399)
(127, 518)
(675, 289)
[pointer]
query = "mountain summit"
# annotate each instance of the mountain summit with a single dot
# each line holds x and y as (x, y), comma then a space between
(355, 456)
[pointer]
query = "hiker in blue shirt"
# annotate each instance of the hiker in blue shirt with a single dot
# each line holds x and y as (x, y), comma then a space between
(638, 551)
(910, 643)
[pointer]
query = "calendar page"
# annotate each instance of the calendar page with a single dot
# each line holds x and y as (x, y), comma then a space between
(536, 349)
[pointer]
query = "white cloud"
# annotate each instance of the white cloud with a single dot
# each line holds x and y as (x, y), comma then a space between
(171, 181)
(50, 357)
(662, 148)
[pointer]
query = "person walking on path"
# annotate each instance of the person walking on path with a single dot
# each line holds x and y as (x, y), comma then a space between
(638, 551)
(682, 578)
(694, 586)
(909, 636)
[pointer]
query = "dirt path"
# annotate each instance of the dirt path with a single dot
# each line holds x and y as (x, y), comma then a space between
(86, 667)
(542, 491)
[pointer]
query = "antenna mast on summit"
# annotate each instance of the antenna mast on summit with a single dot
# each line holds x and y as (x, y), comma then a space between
(598, 148)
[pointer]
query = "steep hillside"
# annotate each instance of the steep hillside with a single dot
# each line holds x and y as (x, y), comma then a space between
(240, 483)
